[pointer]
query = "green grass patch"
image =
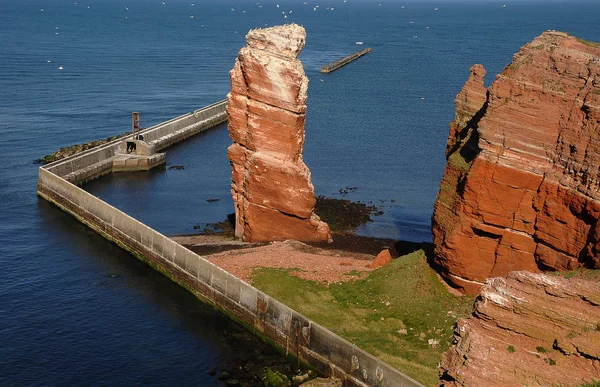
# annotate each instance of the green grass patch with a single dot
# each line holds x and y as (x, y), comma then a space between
(511, 349)
(374, 312)
(588, 43)
(457, 161)
(582, 273)
(355, 273)
(541, 349)
(595, 383)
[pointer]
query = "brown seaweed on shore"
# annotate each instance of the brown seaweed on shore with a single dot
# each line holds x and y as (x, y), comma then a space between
(344, 215)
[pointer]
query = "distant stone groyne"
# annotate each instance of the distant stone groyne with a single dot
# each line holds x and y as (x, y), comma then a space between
(344, 61)
(294, 334)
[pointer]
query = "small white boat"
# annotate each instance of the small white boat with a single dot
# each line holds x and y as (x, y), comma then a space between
(359, 42)
(61, 68)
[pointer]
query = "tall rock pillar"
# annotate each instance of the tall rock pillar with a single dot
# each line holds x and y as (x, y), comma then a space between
(271, 186)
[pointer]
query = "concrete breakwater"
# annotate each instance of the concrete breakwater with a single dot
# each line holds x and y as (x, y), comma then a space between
(344, 61)
(269, 319)
(107, 158)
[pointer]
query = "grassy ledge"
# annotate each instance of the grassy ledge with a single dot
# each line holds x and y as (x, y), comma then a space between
(588, 43)
(392, 313)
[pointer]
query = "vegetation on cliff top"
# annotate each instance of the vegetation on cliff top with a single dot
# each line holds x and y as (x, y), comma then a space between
(400, 313)
(583, 273)
(588, 43)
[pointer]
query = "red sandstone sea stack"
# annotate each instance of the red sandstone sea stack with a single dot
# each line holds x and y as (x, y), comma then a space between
(521, 188)
(271, 186)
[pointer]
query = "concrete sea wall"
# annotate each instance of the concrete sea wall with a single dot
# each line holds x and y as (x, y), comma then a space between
(275, 322)
(95, 162)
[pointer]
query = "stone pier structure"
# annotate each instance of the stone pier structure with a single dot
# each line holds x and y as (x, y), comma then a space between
(294, 334)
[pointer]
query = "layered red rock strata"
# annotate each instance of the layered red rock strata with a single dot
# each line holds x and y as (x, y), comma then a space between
(271, 186)
(528, 330)
(520, 189)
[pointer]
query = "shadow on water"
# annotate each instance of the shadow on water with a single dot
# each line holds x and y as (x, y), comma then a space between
(233, 348)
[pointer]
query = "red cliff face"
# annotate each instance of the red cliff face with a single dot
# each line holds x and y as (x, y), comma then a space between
(528, 330)
(271, 186)
(521, 189)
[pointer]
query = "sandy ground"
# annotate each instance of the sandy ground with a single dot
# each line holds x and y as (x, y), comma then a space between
(313, 263)
(207, 240)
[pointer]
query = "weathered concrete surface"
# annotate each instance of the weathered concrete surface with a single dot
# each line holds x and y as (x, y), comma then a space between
(322, 382)
(263, 315)
(130, 163)
(521, 188)
(528, 330)
(272, 191)
(108, 158)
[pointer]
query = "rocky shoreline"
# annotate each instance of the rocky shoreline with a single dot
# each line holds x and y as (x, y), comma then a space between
(74, 149)
(257, 364)
(343, 216)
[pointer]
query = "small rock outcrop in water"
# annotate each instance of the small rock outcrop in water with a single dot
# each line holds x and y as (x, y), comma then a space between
(528, 330)
(271, 186)
(521, 188)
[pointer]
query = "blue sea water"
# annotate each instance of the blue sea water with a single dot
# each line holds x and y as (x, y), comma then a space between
(75, 309)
